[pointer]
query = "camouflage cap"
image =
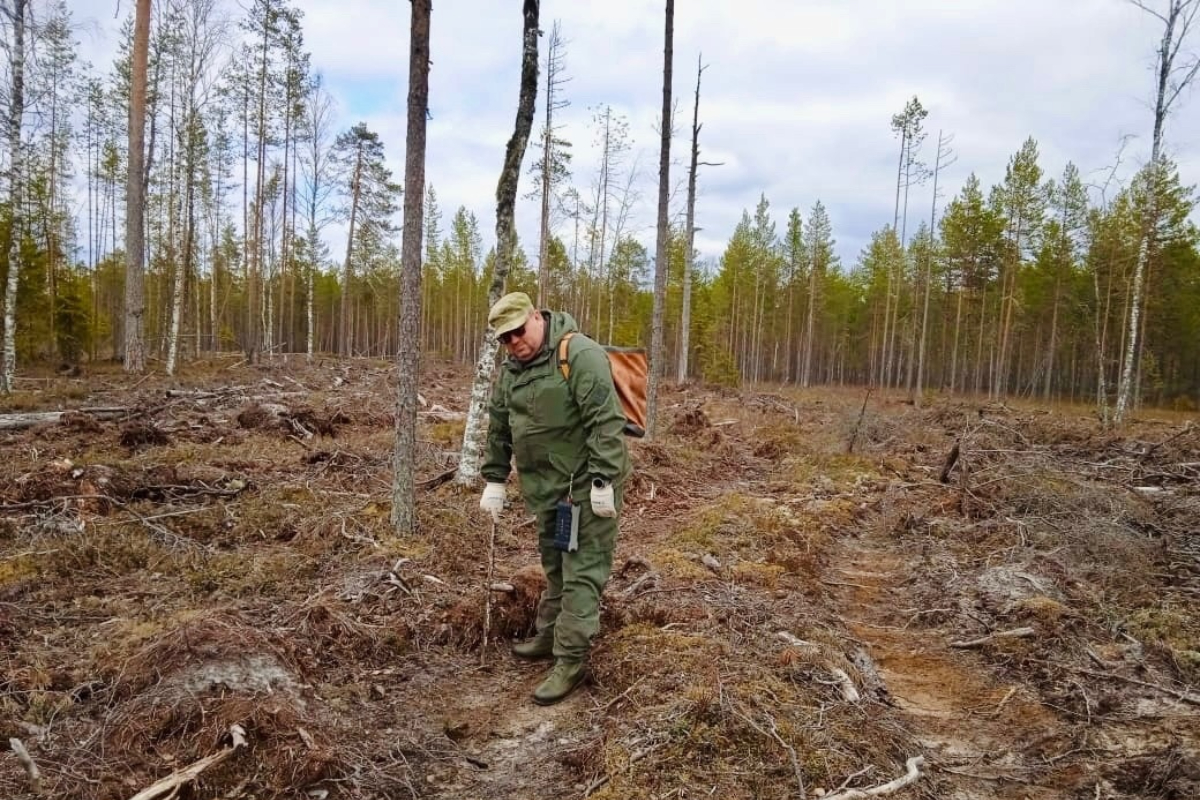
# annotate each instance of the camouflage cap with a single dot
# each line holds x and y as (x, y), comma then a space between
(510, 312)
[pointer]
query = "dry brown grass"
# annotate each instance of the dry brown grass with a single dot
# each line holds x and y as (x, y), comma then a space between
(175, 577)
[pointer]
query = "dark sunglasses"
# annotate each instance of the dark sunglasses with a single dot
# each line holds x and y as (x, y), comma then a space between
(508, 336)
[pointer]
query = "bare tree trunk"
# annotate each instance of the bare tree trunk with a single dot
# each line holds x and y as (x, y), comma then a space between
(183, 270)
(404, 455)
(604, 277)
(214, 216)
(246, 269)
(506, 238)
(689, 258)
(1053, 345)
(308, 301)
(814, 287)
(1179, 17)
(957, 336)
(660, 257)
(16, 112)
(885, 343)
(347, 343)
(254, 283)
(135, 297)
(937, 168)
(554, 66)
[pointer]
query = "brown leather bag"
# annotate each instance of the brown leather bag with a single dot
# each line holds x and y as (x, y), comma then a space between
(629, 369)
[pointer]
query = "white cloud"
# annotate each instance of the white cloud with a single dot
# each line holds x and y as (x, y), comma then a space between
(796, 100)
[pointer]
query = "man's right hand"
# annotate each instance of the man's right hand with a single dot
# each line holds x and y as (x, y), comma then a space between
(492, 500)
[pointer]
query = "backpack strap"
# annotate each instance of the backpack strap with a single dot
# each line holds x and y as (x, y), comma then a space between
(564, 366)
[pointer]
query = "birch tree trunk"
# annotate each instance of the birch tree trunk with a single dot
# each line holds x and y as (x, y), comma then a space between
(16, 112)
(254, 281)
(660, 250)
(1176, 26)
(311, 268)
(135, 297)
(408, 359)
(506, 240)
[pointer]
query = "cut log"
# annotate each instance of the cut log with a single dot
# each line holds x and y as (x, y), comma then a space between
(15, 422)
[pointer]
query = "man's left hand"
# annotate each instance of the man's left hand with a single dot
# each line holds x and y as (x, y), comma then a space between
(603, 503)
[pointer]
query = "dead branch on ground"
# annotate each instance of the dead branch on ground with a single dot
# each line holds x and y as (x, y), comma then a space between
(31, 769)
(912, 773)
(1015, 633)
(171, 784)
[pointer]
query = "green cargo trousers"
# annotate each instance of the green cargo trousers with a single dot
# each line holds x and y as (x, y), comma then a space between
(570, 607)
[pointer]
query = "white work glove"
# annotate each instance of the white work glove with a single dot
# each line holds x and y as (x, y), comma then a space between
(492, 500)
(603, 504)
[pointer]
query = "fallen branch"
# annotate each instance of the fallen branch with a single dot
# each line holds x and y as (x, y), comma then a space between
(172, 782)
(16, 422)
(437, 480)
(203, 394)
(794, 641)
(1004, 702)
(912, 772)
(1015, 633)
(31, 769)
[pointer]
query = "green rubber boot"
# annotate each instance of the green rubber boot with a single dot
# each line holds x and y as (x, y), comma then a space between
(539, 647)
(561, 681)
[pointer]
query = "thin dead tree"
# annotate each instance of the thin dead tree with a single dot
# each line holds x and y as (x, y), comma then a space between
(1100, 318)
(660, 249)
(203, 33)
(942, 159)
(408, 361)
(552, 166)
(16, 111)
(506, 243)
(135, 188)
(689, 258)
(1173, 76)
(317, 163)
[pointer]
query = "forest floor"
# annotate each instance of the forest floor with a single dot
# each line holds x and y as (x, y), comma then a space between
(200, 596)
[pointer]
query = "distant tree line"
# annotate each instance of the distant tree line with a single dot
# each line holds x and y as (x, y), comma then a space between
(1034, 286)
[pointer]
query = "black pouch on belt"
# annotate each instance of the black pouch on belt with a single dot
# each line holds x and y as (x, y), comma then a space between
(566, 526)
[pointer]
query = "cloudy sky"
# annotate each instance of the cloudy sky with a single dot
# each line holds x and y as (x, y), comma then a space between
(796, 99)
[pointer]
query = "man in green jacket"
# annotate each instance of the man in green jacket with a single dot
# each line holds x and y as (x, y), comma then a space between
(565, 434)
